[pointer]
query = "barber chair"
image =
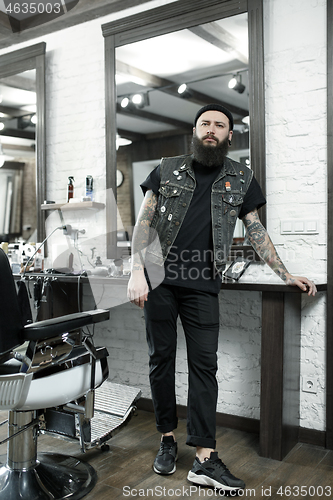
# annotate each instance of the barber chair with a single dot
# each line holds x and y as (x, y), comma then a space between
(44, 365)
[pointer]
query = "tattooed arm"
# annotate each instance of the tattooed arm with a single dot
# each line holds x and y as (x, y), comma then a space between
(264, 247)
(137, 291)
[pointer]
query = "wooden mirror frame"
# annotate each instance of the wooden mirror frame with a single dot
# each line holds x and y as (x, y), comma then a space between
(329, 297)
(167, 19)
(33, 57)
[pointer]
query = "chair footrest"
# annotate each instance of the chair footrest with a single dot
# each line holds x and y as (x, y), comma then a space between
(114, 404)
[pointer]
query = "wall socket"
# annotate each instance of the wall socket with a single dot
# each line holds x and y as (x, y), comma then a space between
(298, 226)
(309, 385)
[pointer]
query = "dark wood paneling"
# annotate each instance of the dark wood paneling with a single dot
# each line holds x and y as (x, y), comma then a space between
(271, 391)
(329, 321)
(291, 371)
(157, 148)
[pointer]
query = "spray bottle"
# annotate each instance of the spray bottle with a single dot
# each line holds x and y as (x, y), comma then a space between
(70, 188)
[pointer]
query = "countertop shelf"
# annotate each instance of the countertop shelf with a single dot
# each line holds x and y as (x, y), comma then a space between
(82, 205)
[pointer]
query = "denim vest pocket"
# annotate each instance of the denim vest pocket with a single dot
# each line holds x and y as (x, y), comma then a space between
(232, 203)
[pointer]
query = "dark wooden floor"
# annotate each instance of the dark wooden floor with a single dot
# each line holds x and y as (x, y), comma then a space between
(125, 471)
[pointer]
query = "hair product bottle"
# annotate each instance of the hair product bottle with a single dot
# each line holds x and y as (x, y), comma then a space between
(70, 188)
(89, 187)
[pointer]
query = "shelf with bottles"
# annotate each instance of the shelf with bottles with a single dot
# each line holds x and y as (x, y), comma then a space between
(80, 205)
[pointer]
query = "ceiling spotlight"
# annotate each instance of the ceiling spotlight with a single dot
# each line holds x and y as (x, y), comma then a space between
(2, 125)
(184, 91)
(137, 99)
(236, 84)
(125, 102)
(122, 141)
(140, 100)
(33, 119)
(182, 88)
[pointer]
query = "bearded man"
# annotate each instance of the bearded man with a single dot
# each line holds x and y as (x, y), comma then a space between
(193, 202)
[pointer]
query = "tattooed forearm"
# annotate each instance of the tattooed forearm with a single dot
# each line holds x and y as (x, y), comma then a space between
(142, 230)
(263, 245)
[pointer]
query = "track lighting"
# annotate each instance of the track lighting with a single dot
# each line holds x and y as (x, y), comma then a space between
(125, 102)
(236, 84)
(184, 91)
(182, 88)
(140, 100)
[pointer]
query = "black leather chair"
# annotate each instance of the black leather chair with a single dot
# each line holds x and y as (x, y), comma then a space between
(42, 365)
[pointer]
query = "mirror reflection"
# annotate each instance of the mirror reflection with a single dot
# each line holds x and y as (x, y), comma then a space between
(161, 83)
(18, 214)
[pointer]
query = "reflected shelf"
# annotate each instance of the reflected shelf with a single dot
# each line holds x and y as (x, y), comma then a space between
(82, 205)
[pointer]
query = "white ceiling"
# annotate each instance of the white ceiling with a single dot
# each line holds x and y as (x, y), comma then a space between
(181, 57)
(17, 99)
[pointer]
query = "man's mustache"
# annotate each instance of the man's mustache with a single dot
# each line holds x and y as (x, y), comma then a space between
(210, 137)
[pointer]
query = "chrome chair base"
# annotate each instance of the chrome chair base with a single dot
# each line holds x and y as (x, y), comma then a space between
(54, 477)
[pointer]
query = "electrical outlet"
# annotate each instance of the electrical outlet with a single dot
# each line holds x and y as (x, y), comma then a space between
(309, 385)
(305, 226)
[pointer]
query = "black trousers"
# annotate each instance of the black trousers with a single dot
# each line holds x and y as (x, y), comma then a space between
(199, 314)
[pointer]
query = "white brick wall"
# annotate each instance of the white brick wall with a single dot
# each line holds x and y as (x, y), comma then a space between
(295, 68)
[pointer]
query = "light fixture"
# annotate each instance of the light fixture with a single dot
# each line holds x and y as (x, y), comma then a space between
(246, 120)
(137, 99)
(122, 141)
(124, 102)
(140, 100)
(2, 125)
(184, 91)
(236, 84)
(25, 121)
(4, 157)
(182, 88)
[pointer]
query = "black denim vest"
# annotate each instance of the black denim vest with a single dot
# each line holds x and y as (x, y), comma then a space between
(175, 194)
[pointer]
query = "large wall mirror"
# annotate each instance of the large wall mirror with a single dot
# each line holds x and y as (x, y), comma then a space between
(22, 144)
(177, 58)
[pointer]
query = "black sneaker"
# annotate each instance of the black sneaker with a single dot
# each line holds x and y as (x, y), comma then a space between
(213, 472)
(166, 457)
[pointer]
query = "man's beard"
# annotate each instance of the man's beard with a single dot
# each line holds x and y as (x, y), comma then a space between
(210, 156)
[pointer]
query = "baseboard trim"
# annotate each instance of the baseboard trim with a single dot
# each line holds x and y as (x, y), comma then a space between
(307, 436)
(311, 436)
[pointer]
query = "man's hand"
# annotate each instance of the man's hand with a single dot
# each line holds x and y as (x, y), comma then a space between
(137, 290)
(303, 283)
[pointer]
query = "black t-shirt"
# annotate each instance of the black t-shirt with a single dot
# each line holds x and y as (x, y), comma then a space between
(190, 262)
